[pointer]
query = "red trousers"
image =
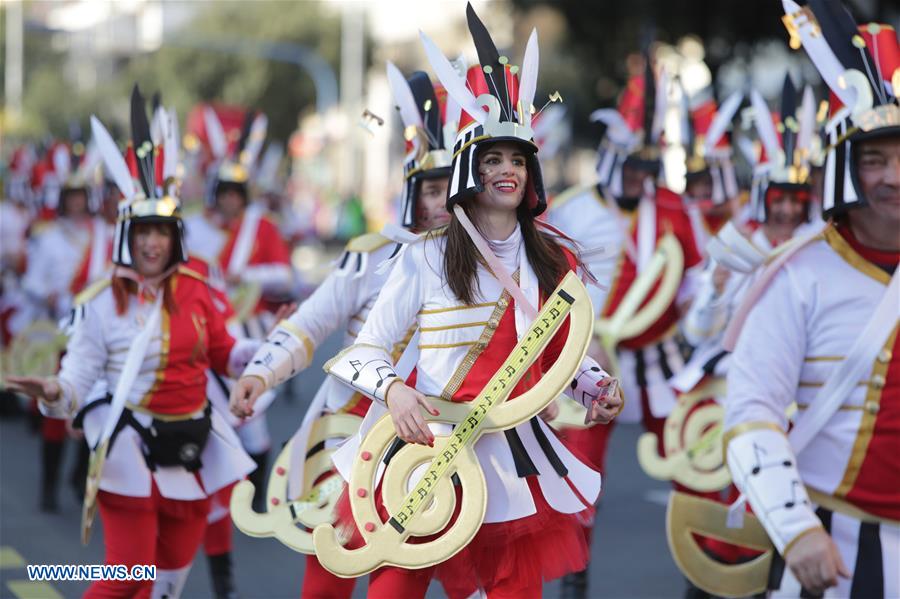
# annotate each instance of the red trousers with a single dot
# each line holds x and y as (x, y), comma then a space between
(147, 530)
(219, 533)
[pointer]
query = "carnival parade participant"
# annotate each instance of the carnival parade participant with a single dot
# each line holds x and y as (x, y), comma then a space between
(821, 329)
(711, 189)
(151, 332)
(469, 322)
(622, 220)
(345, 298)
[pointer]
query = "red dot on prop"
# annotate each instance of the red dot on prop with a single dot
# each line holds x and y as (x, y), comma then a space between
(280, 471)
(370, 527)
(366, 456)
(361, 492)
(275, 501)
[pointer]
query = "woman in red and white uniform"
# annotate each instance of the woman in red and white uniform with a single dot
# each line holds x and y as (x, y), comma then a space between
(168, 453)
(468, 324)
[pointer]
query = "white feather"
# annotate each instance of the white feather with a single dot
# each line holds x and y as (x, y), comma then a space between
(215, 133)
(112, 158)
(268, 167)
(530, 66)
(762, 119)
(721, 121)
(660, 106)
(171, 143)
(157, 126)
(403, 97)
(617, 129)
(749, 152)
(452, 82)
(91, 161)
(806, 123)
(822, 56)
(62, 162)
(255, 140)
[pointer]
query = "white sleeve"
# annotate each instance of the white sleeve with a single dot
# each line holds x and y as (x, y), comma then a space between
(273, 278)
(762, 382)
(289, 348)
(367, 365)
(707, 316)
(83, 365)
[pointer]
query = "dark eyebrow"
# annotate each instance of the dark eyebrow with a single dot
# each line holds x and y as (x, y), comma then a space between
(871, 151)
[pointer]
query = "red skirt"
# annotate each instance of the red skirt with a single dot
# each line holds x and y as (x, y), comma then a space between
(543, 546)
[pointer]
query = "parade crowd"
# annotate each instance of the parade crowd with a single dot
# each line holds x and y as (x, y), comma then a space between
(492, 337)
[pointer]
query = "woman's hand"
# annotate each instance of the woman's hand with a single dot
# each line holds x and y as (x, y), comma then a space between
(244, 394)
(405, 405)
(816, 562)
(607, 404)
(46, 390)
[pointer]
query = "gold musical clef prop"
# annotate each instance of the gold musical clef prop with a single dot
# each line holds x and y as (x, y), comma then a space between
(692, 440)
(630, 319)
(689, 515)
(288, 519)
(417, 489)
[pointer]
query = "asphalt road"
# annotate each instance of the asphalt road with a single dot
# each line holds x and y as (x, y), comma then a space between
(630, 557)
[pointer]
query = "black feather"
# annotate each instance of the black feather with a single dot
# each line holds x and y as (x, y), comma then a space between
(423, 91)
(245, 133)
(649, 100)
(140, 137)
(839, 27)
(488, 55)
(788, 109)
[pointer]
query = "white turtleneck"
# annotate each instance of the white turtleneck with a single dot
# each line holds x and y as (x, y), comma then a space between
(508, 250)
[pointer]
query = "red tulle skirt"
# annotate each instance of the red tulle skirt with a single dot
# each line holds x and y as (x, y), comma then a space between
(524, 552)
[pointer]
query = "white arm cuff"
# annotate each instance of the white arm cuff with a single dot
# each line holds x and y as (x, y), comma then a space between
(366, 368)
(584, 388)
(764, 468)
(286, 352)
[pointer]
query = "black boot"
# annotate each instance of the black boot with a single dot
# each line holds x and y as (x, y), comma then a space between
(78, 478)
(574, 585)
(52, 452)
(258, 478)
(221, 576)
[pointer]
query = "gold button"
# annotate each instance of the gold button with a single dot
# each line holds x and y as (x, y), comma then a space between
(492, 323)
(503, 302)
(877, 382)
(871, 407)
(885, 356)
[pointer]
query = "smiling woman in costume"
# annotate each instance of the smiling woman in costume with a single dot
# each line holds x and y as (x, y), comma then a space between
(151, 331)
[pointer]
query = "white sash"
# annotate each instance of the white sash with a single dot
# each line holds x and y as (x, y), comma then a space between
(99, 249)
(243, 245)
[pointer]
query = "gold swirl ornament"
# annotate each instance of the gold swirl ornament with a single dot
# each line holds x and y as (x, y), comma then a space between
(689, 515)
(35, 350)
(416, 487)
(290, 519)
(692, 440)
(630, 319)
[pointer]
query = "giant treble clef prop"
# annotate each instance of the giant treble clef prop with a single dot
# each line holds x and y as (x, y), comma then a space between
(632, 317)
(416, 487)
(287, 518)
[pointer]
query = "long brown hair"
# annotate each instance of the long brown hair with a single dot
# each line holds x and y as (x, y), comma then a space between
(461, 257)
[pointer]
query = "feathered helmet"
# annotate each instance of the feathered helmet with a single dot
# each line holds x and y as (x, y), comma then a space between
(706, 143)
(634, 129)
(787, 141)
(17, 184)
(861, 66)
(233, 163)
(496, 101)
(60, 177)
(145, 176)
(429, 119)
